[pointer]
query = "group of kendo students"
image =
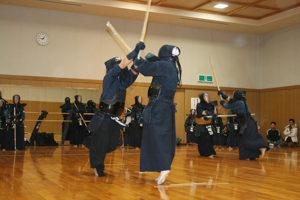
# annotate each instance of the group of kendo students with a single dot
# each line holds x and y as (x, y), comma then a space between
(133, 133)
(76, 130)
(204, 127)
(12, 116)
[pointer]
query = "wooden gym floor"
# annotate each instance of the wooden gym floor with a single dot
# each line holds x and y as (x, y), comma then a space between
(63, 172)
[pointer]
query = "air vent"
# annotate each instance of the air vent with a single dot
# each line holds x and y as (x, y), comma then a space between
(65, 3)
(200, 20)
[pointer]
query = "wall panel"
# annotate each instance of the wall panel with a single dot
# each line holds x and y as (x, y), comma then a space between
(279, 105)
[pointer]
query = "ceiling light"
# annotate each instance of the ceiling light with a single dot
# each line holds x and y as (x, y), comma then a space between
(221, 6)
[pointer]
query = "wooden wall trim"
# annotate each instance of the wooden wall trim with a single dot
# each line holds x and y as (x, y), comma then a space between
(280, 88)
(41, 78)
(203, 87)
(87, 83)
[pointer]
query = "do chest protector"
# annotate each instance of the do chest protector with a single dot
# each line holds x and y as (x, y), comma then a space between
(154, 90)
(114, 106)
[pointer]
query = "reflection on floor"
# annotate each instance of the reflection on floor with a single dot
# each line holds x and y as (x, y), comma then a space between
(63, 173)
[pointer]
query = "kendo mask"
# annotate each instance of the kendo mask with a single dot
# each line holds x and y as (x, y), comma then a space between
(16, 99)
(138, 99)
(204, 98)
(78, 98)
(67, 100)
(170, 52)
(91, 103)
(239, 95)
(112, 62)
(193, 112)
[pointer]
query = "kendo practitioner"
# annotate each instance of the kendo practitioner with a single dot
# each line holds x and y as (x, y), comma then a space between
(16, 116)
(78, 127)
(66, 128)
(90, 108)
(232, 129)
(105, 124)
(218, 136)
(158, 117)
(206, 114)
(5, 102)
(3, 121)
(190, 125)
(251, 144)
(137, 128)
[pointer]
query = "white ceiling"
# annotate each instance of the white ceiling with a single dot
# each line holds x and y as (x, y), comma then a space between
(134, 11)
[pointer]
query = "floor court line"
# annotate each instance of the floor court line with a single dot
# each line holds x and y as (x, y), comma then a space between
(189, 184)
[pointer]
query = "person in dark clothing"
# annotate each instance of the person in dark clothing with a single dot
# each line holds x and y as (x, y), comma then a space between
(105, 124)
(90, 108)
(205, 128)
(158, 118)
(273, 135)
(232, 129)
(251, 144)
(66, 126)
(78, 126)
(1, 98)
(218, 136)
(3, 121)
(16, 115)
(190, 126)
(137, 128)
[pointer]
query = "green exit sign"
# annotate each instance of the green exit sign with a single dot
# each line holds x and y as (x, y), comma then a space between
(205, 78)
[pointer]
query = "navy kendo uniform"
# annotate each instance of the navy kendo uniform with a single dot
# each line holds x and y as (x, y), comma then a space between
(250, 140)
(16, 115)
(78, 127)
(3, 120)
(66, 129)
(105, 124)
(158, 117)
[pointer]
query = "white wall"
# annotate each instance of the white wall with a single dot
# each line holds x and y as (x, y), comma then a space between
(280, 58)
(80, 44)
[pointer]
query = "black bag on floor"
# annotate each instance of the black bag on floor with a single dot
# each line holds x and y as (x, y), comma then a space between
(46, 139)
(52, 140)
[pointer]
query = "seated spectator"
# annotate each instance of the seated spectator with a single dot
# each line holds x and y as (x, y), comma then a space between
(291, 132)
(273, 135)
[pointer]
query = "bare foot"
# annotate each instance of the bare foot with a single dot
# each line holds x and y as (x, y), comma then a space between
(76, 146)
(211, 156)
(82, 146)
(96, 173)
(157, 178)
(137, 148)
(230, 148)
(220, 147)
(263, 151)
(163, 176)
(4, 150)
